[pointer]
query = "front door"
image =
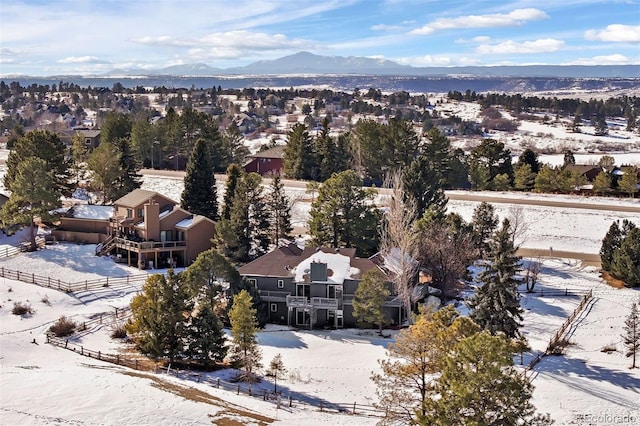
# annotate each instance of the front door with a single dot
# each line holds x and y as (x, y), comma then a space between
(301, 317)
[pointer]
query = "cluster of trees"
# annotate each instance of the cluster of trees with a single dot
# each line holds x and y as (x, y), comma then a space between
(620, 252)
(180, 316)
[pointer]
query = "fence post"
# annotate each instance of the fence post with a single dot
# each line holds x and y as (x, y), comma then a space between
(81, 350)
(566, 291)
(290, 402)
(107, 281)
(136, 364)
(66, 342)
(33, 278)
(354, 408)
(218, 383)
(321, 406)
(238, 391)
(86, 285)
(98, 354)
(117, 359)
(18, 275)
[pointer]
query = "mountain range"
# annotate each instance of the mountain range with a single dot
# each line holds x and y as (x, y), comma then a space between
(305, 63)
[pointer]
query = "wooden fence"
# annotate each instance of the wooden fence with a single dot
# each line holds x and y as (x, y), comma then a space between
(70, 287)
(563, 328)
(353, 408)
(9, 251)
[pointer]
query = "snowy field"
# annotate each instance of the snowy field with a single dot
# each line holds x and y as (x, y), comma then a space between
(41, 384)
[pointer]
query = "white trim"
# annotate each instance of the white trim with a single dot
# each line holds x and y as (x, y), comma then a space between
(280, 283)
(274, 307)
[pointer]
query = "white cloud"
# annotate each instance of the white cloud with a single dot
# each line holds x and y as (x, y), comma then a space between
(512, 19)
(510, 47)
(81, 60)
(426, 60)
(481, 39)
(613, 59)
(615, 32)
(7, 51)
(385, 27)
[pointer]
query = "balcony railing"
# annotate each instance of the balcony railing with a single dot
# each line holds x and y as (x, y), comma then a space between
(139, 246)
(273, 296)
(315, 302)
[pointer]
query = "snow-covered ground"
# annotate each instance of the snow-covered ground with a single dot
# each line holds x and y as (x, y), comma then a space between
(41, 384)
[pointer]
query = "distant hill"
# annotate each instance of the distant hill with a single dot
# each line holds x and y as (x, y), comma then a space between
(312, 64)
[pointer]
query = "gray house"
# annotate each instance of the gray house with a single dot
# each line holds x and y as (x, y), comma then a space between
(314, 287)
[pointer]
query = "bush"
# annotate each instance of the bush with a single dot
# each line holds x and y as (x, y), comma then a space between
(46, 301)
(118, 331)
(20, 308)
(63, 327)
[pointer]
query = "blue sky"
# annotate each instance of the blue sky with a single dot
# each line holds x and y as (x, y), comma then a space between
(47, 37)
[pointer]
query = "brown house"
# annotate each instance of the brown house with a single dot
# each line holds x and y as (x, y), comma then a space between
(313, 287)
(267, 162)
(91, 137)
(84, 223)
(150, 230)
(589, 171)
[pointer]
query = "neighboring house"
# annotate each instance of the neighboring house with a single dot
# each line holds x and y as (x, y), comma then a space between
(91, 137)
(150, 230)
(314, 287)
(143, 229)
(589, 171)
(267, 162)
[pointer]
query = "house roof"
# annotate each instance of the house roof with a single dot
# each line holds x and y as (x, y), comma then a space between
(291, 260)
(138, 197)
(583, 168)
(275, 152)
(87, 211)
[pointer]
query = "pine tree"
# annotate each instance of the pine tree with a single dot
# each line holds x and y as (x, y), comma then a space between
(234, 174)
(405, 385)
(205, 338)
(610, 244)
(530, 157)
(422, 183)
(524, 178)
(631, 336)
(46, 146)
(369, 299)
(496, 305)
(484, 222)
(280, 207)
(478, 385)
(341, 215)
(602, 183)
(626, 260)
(200, 195)
(34, 195)
(105, 169)
(158, 323)
(129, 178)
(245, 351)
(568, 158)
(629, 182)
(300, 157)
(276, 369)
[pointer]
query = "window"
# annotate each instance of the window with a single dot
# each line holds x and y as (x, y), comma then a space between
(274, 307)
(180, 236)
(253, 282)
(165, 236)
(140, 212)
(129, 213)
(280, 283)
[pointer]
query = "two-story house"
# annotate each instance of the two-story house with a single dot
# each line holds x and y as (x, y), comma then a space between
(145, 229)
(313, 287)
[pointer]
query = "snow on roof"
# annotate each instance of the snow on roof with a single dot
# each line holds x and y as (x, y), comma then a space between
(185, 223)
(338, 267)
(88, 211)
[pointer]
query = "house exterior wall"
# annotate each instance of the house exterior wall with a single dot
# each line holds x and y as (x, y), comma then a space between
(198, 239)
(84, 225)
(264, 166)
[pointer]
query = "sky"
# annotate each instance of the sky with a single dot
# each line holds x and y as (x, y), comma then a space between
(52, 37)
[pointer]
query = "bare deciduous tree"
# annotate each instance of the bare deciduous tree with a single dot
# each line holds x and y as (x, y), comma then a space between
(531, 274)
(398, 243)
(519, 225)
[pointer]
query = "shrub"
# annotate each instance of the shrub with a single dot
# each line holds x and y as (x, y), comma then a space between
(558, 347)
(118, 331)
(63, 327)
(46, 301)
(20, 308)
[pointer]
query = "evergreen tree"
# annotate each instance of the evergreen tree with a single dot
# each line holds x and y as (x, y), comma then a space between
(200, 195)
(493, 157)
(48, 147)
(234, 174)
(245, 351)
(437, 149)
(629, 182)
(105, 169)
(300, 160)
(34, 195)
(279, 205)
(369, 299)
(159, 313)
(244, 236)
(405, 143)
(342, 216)
(478, 385)
(530, 157)
(575, 125)
(233, 145)
(422, 184)
(484, 223)
(496, 305)
(276, 369)
(610, 244)
(129, 178)
(524, 178)
(568, 158)
(327, 152)
(547, 179)
(631, 336)
(115, 125)
(405, 385)
(626, 260)
(205, 338)
(602, 183)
